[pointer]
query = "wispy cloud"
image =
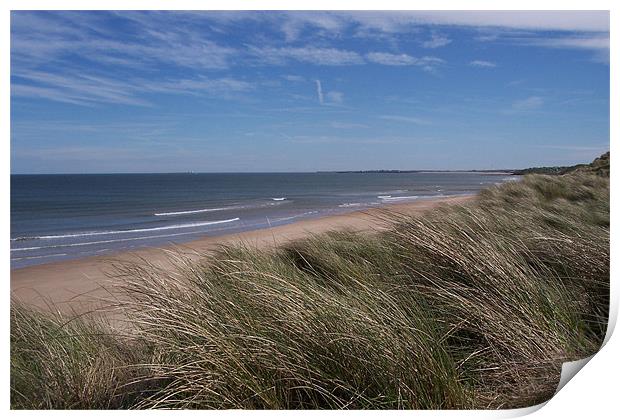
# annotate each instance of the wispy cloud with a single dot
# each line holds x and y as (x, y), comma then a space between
(337, 57)
(482, 63)
(598, 44)
(187, 38)
(410, 120)
(197, 86)
(79, 57)
(36, 38)
(84, 89)
(328, 98)
(308, 54)
(556, 20)
(531, 103)
(335, 97)
(75, 89)
(294, 78)
(390, 22)
(294, 23)
(319, 91)
(437, 40)
(389, 59)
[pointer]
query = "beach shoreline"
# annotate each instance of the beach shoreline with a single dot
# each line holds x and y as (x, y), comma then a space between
(82, 284)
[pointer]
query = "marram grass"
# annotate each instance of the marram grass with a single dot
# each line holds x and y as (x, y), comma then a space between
(473, 306)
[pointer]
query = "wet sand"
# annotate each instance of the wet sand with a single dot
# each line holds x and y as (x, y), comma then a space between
(83, 284)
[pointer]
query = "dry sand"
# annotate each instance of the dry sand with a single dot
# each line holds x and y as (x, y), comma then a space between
(81, 284)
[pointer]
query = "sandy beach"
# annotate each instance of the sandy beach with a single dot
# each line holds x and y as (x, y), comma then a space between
(82, 284)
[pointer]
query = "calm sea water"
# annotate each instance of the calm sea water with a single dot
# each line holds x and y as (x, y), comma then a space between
(55, 217)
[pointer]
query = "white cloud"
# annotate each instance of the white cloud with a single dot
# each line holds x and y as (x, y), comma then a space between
(38, 40)
(335, 97)
(295, 23)
(557, 20)
(313, 55)
(436, 41)
(85, 89)
(84, 58)
(294, 78)
(180, 38)
(75, 88)
(197, 86)
(590, 28)
(338, 57)
(408, 21)
(329, 98)
(590, 42)
(597, 44)
(390, 59)
(319, 91)
(387, 23)
(482, 63)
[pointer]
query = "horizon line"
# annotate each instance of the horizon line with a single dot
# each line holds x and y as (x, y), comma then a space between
(275, 172)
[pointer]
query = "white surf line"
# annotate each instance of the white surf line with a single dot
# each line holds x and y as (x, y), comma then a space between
(295, 216)
(176, 213)
(38, 256)
(389, 198)
(110, 241)
(111, 232)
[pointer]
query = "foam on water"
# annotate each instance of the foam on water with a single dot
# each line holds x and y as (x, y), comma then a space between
(347, 205)
(393, 192)
(109, 241)
(400, 198)
(177, 213)
(308, 213)
(37, 257)
(278, 201)
(112, 232)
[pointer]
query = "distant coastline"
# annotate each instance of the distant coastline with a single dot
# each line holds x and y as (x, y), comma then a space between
(430, 171)
(600, 164)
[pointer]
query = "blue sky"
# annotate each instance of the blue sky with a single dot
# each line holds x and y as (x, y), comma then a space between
(303, 91)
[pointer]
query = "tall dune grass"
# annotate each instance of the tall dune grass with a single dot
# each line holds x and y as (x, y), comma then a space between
(473, 306)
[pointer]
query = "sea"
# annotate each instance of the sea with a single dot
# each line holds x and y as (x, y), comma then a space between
(60, 217)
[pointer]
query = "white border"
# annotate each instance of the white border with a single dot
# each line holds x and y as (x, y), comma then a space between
(592, 394)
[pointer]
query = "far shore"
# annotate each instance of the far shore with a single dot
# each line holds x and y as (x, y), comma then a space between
(82, 284)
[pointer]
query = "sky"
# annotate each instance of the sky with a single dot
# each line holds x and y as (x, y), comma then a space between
(152, 91)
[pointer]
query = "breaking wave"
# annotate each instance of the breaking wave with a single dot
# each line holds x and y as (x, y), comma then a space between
(112, 232)
(400, 198)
